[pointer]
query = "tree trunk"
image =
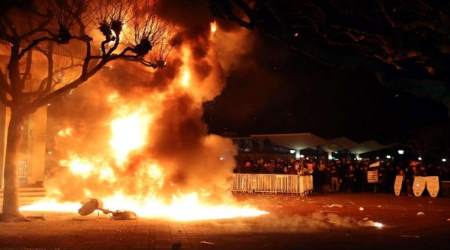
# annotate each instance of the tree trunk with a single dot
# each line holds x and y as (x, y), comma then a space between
(10, 193)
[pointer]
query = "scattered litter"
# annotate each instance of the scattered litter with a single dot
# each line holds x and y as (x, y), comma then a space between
(361, 209)
(420, 213)
(91, 205)
(335, 205)
(448, 219)
(366, 218)
(209, 243)
(379, 206)
(410, 236)
(176, 246)
(124, 215)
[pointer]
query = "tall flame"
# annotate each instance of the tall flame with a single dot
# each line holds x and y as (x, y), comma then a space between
(131, 166)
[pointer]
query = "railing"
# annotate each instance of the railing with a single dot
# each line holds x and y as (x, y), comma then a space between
(27, 195)
(272, 183)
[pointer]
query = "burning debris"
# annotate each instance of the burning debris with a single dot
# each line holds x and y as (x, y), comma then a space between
(92, 205)
(145, 147)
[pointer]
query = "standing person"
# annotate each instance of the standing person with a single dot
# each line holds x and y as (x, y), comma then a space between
(391, 173)
(409, 179)
(350, 178)
(335, 182)
(316, 176)
(364, 183)
(358, 177)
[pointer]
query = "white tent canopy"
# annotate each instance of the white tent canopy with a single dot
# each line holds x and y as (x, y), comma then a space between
(301, 141)
(296, 141)
(367, 146)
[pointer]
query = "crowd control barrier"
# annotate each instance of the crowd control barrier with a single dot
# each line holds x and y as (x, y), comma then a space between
(272, 183)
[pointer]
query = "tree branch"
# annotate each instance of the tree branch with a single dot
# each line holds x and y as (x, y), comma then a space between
(33, 44)
(28, 65)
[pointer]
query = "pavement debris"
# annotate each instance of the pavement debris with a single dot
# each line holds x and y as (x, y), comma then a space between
(361, 209)
(420, 213)
(92, 205)
(207, 243)
(124, 215)
(335, 205)
(89, 207)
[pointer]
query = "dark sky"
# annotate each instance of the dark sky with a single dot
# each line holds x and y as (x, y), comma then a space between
(278, 90)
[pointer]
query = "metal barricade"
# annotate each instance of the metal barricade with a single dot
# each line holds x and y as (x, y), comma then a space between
(272, 183)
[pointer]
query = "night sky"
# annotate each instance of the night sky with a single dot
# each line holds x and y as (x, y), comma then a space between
(278, 90)
(362, 69)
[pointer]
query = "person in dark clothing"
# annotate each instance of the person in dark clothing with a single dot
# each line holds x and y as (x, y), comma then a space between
(350, 179)
(335, 180)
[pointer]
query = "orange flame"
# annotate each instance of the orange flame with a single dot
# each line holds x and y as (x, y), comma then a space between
(129, 133)
(213, 27)
(133, 179)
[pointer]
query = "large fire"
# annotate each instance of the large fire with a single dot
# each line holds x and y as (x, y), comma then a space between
(128, 133)
(134, 169)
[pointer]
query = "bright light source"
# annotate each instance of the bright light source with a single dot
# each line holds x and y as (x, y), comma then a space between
(302, 156)
(444, 160)
(330, 156)
(292, 151)
(213, 27)
(377, 157)
(419, 158)
(378, 225)
(388, 157)
(298, 155)
(401, 151)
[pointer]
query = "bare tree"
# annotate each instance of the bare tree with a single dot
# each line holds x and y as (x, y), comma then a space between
(87, 35)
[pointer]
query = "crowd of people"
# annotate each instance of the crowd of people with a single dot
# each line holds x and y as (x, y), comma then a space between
(346, 175)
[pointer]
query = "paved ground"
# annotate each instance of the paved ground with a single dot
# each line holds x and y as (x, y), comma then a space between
(343, 221)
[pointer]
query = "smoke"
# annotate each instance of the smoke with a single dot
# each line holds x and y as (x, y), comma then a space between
(177, 139)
